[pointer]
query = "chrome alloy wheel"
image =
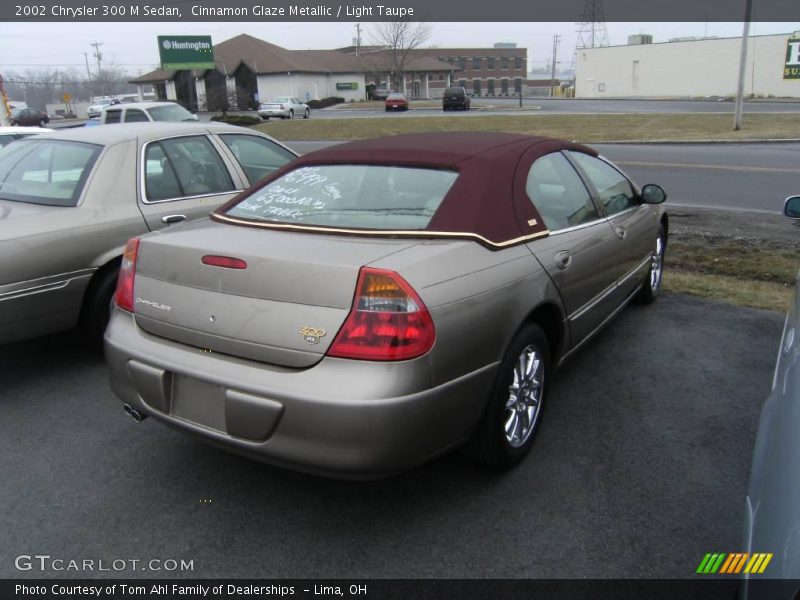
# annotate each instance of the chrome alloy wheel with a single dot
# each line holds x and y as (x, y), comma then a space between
(524, 397)
(656, 265)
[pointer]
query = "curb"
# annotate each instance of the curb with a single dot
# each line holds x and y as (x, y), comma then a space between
(699, 142)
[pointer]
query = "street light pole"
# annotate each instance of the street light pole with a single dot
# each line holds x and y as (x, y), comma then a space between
(737, 118)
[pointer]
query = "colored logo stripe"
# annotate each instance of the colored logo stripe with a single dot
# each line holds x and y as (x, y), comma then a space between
(733, 563)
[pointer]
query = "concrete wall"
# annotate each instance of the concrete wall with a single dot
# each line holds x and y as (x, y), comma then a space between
(310, 86)
(691, 68)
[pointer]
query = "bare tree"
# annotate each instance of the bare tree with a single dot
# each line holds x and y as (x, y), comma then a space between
(399, 37)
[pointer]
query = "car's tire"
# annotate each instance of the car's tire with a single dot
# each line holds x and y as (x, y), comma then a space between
(96, 307)
(512, 416)
(265, 118)
(652, 281)
(307, 114)
(291, 113)
(42, 123)
(13, 123)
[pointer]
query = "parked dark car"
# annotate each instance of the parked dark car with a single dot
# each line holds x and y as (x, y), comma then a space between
(396, 101)
(455, 98)
(29, 117)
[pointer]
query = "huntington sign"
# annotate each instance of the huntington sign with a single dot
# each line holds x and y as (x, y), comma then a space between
(181, 52)
(791, 69)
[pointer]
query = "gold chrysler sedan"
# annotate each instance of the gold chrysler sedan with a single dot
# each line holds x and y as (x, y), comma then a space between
(372, 305)
(70, 200)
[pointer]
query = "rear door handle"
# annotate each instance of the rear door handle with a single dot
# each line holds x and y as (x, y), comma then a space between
(621, 232)
(563, 259)
(169, 219)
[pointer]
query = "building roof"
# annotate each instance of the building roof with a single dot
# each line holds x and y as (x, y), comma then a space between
(263, 58)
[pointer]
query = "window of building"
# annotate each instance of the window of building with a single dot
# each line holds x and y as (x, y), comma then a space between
(504, 87)
(504, 62)
(476, 62)
(462, 63)
(518, 86)
(517, 62)
(462, 83)
(490, 62)
(476, 87)
(441, 77)
(490, 87)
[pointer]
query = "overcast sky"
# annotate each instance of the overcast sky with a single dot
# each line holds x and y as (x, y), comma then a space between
(132, 46)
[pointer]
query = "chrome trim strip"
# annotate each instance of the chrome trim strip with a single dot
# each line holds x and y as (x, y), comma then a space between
(597, 329)
(602, 295)
(578, 227)
(780, 352)
(378, 233)
(44, 284)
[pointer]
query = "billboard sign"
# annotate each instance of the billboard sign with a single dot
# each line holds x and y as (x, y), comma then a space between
(348, 85)
(791, 68)
(183, 52)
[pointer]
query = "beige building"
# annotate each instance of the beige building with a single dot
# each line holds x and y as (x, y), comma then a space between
(689, 68)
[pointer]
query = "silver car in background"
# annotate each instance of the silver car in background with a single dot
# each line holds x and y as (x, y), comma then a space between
(70, 200)
(283, 107)
(375, 304)
(772, 515)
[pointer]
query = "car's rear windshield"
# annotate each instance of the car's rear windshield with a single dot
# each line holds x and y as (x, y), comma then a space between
(174, 112)
(454, 92)
(350, 196)
(50, 172)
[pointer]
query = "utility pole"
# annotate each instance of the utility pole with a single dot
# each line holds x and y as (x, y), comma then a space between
(99, 56)
(89, 77)
(737, 118)
(358, 38)
(556, 42)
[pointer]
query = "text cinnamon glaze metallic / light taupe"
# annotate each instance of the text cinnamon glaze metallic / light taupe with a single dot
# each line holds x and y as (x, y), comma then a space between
(378, 303)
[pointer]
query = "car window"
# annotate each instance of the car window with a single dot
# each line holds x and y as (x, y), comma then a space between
(184, 166)
(614, 190)
(558, 193)
(353, 196)
(47, 172)
(113, 116)
(134, 115)
(257, 156)
(172, 112)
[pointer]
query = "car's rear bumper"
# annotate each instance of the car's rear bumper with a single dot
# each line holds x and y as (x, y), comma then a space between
(273, 113)
(339, 418)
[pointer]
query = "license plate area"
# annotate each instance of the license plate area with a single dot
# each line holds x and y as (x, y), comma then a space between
(199, 402)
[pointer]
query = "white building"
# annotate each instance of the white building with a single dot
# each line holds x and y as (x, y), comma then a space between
(689, 68)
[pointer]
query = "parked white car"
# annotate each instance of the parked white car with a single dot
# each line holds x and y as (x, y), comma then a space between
(284, 107)
(97, 108)
(143, 112)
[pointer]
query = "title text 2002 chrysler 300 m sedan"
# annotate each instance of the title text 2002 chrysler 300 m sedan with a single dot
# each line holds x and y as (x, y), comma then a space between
(375, 304)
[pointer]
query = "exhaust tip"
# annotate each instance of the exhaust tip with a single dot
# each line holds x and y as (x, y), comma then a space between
(135, 414)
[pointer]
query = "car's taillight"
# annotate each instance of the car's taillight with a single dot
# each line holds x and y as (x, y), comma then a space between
(388, 320)
(127, 272)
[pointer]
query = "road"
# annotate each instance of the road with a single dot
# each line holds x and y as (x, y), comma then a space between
(639, 470)
(752, 177)
(510, 106)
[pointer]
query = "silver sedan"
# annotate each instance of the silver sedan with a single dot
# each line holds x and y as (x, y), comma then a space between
(283, 107)
(70, 200)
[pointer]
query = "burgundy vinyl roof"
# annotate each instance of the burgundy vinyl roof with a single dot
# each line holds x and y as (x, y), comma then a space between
(480, 202)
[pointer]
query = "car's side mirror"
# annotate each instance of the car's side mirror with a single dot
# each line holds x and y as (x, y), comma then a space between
(653, 194)
(791, 208)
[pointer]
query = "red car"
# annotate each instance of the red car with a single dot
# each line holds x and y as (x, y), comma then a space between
(396, 101)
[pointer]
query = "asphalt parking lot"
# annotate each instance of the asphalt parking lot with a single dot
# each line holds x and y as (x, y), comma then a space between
(639, 470)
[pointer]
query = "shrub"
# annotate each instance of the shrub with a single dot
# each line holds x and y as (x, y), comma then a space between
(242, 120)
(325, 102)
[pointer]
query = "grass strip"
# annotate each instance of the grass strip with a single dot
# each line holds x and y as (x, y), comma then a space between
(583, 128)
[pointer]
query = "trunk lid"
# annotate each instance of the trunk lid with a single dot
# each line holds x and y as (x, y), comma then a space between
(284, 308)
